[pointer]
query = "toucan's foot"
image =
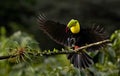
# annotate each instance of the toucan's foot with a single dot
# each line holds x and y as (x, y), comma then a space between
(76, 47)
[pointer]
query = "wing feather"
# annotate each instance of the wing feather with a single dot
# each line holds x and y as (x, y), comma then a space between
(54, 30)
(91, 35)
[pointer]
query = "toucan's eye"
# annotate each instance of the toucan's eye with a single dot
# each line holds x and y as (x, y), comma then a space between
(75, 21)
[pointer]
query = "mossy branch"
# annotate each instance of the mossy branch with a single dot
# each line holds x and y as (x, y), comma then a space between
(57, 52)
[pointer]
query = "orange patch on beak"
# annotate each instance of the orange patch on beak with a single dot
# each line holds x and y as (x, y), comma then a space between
(66, 30)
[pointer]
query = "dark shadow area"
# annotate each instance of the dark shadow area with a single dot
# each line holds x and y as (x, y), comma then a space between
(21, 15)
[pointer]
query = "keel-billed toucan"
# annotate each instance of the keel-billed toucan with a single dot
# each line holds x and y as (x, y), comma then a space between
(73, 35)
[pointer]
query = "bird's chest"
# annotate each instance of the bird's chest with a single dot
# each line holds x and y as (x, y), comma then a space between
(73, 40)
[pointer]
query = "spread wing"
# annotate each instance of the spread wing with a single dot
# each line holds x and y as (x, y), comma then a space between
(54, 30)
(92, 35)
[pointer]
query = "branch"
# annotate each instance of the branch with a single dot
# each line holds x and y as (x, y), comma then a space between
(7, 57)
(76, 51)
(93, 44)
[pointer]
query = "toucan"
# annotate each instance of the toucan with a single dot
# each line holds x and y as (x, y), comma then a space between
(74, 36)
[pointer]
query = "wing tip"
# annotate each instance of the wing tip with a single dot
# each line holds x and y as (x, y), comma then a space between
(41, 18)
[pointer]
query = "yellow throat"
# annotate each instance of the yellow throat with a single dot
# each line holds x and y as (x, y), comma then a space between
(74, 26)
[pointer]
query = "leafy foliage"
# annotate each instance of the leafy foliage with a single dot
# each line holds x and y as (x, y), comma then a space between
(107, 60)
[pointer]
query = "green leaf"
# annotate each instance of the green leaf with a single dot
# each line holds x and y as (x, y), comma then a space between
(101, 57)
(112, 37)
(111, 52)
(3, 31)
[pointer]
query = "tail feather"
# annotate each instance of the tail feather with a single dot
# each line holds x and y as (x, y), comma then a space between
(82, 60)
(87, 59)
(83, 63)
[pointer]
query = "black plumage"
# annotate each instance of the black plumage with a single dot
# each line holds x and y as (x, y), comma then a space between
(57, 32)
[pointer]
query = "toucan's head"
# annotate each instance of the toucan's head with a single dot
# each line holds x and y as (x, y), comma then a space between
(74, 26)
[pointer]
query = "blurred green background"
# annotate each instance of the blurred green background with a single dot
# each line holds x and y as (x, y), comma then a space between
(20, 15)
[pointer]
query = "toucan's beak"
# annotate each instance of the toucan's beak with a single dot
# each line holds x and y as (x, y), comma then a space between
(66, 30)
